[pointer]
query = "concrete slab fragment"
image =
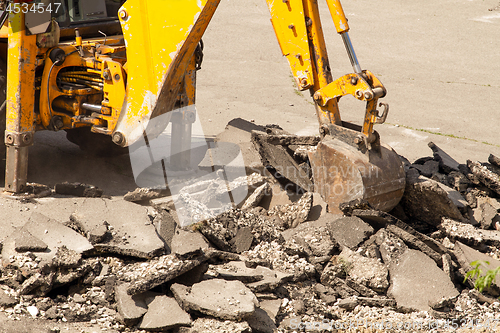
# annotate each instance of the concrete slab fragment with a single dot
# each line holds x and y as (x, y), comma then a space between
(78, 190)
(164, 314)
(131, 308)
(186, 241)
(25, 241)
(368, 272)
(426, 200)
(132, 233)
(294, 214)
(349, 231)
(212, 325)
(52, 233)
(223, 299)
(468, 234)
(260, 321)
(465, 255)
(416, 281)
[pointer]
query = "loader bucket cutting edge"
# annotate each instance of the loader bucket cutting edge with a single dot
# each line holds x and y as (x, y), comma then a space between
(343, 173)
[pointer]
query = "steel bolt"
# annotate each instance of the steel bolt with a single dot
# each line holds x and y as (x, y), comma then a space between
(368, 95)
(106, 74)
(117, 77)
(303, 82)
(298, 56)
(291, 26)
(27, 138)
(354, 80)
(9, 139)
(118, 138)
(317, 97)
(359, 94)
(123, 14)
(58, 124)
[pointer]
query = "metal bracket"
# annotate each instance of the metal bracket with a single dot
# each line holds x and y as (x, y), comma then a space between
(18, 139)
(382, 117)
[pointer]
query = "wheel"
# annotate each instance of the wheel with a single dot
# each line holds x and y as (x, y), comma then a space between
(94, 143)
(3, 110)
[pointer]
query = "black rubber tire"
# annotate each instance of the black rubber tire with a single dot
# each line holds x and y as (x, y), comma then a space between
(94, 143)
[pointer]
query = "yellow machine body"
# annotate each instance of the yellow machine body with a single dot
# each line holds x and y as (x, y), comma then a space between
(113, 84)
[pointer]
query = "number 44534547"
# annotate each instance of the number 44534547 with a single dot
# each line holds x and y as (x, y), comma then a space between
(40, 8)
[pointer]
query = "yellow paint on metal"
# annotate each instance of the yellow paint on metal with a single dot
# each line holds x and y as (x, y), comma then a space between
(50, 83)
(21, 63)
(155, 32)
(338, 16)
(364, 87)
(328, 113)
(114, 92)
(344, 86)
(290, 27)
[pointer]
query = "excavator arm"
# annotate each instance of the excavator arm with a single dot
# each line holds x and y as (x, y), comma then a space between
(161, 46)
(349, 163)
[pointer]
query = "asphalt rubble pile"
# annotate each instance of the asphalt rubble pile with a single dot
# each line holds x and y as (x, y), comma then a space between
(277, 262)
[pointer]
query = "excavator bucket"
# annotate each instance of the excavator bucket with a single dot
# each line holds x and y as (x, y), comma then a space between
(343, 172)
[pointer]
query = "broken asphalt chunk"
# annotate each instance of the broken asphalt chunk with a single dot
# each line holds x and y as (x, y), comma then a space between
(130, 307)
(368, 272)
(278, 160)
(213, 325)
(131, 230)
(487, 174)
(416, 280)
(349, 231)
(66, 258)
(144, 193)
(379, 219)
(187, 241)
(230, 300)
(468, 234)
(494, 160)
(53, 234)
(255, 198)
(427, 200)
(291, 215)
(446, 162)
(164, 313)
(25, 241)
(78, 190)
(145, 276)
(466, 255)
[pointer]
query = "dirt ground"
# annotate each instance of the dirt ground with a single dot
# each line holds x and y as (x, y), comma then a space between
(438, 61)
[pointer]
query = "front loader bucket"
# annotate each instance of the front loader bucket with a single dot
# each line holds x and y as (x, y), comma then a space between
(343, 173)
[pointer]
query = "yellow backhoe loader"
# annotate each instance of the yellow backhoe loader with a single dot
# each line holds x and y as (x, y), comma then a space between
(102, 70)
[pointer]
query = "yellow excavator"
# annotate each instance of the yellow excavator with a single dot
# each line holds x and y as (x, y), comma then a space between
(103, 70)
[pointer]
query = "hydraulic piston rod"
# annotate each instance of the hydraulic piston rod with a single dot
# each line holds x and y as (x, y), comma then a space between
(342, 27)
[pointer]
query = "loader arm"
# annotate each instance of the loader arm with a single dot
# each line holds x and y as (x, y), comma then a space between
(161, 38)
